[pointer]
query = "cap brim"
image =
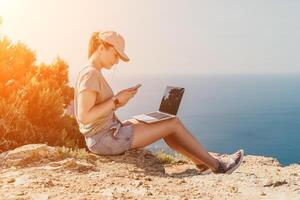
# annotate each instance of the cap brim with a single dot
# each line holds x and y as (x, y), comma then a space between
(123, 56)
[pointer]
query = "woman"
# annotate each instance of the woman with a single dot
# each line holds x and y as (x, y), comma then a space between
(105, 134)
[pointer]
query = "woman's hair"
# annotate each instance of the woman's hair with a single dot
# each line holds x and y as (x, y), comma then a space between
(94, 43)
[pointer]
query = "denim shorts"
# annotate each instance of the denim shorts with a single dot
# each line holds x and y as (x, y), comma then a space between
(106, 143)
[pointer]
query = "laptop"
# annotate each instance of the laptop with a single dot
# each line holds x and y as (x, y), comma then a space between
(168, 106)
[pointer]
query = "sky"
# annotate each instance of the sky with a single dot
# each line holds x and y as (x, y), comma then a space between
(163, 37)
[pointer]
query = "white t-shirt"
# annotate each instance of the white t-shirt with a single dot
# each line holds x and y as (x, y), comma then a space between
(90, 78)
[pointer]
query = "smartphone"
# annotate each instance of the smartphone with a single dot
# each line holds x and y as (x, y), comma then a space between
(135, 87)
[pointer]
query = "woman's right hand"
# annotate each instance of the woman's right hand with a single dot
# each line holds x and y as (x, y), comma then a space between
(125, 95)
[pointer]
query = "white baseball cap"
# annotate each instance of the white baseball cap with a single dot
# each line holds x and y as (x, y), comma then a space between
(116, 40)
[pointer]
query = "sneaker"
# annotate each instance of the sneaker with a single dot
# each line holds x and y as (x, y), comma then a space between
(230, 163)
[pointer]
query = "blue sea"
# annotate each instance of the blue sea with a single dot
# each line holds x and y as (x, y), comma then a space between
(259, 113)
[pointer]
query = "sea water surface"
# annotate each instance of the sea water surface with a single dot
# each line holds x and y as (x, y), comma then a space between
(259, 113)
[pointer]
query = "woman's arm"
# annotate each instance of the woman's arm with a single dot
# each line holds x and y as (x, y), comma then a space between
(88, 111)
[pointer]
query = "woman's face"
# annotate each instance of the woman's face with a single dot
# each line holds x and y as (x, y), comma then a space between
(108, 56)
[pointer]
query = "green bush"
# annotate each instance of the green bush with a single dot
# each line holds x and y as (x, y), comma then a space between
(32, 100)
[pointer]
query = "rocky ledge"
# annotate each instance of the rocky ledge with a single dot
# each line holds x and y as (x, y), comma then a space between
(38, 171)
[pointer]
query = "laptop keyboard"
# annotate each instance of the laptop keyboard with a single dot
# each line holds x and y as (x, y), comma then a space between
(158, 115)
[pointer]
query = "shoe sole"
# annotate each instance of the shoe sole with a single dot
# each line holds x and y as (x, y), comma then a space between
(238, 164)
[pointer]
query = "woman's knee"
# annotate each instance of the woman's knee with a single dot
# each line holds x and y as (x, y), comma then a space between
(169, 141)
(175, 122)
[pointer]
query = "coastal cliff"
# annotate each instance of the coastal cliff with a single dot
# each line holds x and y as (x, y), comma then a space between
(38, 171)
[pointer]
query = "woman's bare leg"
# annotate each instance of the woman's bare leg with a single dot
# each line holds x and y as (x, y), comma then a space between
(175, 145)
(171, 141)
(146, 134)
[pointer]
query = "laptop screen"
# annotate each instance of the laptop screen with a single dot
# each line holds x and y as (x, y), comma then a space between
(171, 100)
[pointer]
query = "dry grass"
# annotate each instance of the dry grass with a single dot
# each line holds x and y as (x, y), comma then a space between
(168, 158)
(165, 158)
(79, 153)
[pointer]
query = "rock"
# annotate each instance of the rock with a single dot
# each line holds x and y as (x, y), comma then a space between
(233, 189)
(148, 179)
(30, 154)
(181, 181)
(279, 183)
(71, 163)
(49, 183)
(11, 180)
(263, 194)
(20, 193)
(140, 183)
(275, 183)
(136, 176)
(149, 193)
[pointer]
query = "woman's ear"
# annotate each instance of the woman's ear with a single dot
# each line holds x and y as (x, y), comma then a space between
(99, 49)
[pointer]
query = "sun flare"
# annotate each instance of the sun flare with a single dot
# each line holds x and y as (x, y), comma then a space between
(7, 9)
